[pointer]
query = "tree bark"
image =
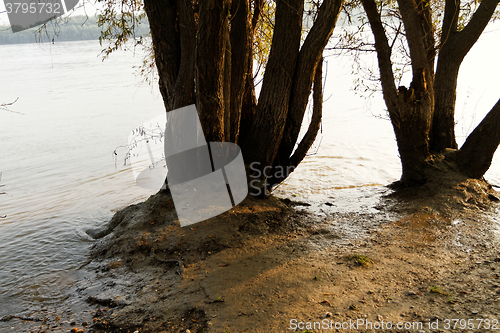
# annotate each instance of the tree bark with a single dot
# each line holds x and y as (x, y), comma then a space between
(476, 153)
(454, 47)
(209, 64)
(241, 47)
(183, 94)
(269, 119)
(310, 56)
(162, 17)
(412, 124)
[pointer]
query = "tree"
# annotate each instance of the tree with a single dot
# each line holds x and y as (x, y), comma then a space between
(422, 114)
(203, 52)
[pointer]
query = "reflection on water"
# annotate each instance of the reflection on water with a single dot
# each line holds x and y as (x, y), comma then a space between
(57, 162)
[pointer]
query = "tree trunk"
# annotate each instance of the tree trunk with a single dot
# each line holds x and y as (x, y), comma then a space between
(476, 154)
(204, 57)
(241, 51)
(412, 124)
(445, 88)
(270, 116)
(211, 44)
(162, 22)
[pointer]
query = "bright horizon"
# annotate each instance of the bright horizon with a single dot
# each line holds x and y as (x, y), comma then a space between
(89, 9)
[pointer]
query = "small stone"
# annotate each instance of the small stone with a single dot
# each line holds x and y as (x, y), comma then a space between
(412, 293)
(327, 315)
(475, 312)
(188, 331)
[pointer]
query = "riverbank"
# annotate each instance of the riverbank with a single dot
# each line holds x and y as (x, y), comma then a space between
(267, 267)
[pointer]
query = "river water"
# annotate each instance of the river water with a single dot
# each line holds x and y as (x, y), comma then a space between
(61, 177)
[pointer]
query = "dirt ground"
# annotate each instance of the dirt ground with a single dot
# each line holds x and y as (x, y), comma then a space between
(423, 262)
(429, 264)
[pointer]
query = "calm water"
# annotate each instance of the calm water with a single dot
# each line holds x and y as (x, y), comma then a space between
(60, 176)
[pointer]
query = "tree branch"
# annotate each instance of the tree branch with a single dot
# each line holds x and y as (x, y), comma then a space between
(465, 39)
(210, 53)
(241, 47)
(450, 20)
(383, 54)
(274, 98)
(310, 136)
(184, 85)
(476, 153)
(414, 35)
(310, 56)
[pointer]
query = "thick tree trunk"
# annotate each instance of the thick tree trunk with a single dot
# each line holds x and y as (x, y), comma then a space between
(476, 154)
(454, 47)
(204, 57)
(241, 51)
(412, 124)
(209, 63)
(310, 56)
(261, 144)
(445, 88)
(162, 17)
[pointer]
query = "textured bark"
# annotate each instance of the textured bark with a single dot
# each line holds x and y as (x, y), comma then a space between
(162, 17)
(241, 46)
(476, 154)
(307, 141)
(270, 115)
(454, 47)
(412, 124)
(227, 83)
(184, 86)
(423, 115)
(204, 57)
(310, 56)
(443, 127)
(209, 64)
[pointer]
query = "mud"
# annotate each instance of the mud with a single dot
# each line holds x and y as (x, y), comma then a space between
(278, 265)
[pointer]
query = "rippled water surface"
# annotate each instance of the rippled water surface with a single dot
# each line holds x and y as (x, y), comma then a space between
(60, 177)
(56, 160)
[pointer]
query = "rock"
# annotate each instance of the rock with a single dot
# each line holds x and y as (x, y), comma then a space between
(327, 315)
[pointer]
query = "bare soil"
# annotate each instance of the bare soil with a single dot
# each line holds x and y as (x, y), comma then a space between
(428, 261)
(429, 256)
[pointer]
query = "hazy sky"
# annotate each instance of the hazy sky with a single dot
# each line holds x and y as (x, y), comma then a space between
(90, 9)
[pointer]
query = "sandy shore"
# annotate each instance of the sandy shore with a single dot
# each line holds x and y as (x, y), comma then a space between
(424, 265)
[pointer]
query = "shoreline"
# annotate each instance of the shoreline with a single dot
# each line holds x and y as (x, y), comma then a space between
(264, 266)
